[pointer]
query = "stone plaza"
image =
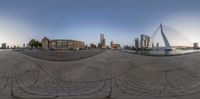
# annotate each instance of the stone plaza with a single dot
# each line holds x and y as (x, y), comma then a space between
(98, 74)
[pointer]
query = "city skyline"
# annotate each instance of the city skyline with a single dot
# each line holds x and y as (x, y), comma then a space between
(120, 21)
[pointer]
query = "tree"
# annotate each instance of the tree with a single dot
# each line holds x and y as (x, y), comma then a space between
(34, 43)
(39, 44)
(92, 45)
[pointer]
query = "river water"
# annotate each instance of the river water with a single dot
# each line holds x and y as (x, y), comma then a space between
(163, 53)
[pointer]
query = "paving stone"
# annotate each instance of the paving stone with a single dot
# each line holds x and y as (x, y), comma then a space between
(98, 74)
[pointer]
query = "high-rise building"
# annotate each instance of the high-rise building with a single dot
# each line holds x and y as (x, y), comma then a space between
(153, 44)
(136, 43)
(102, 41)
(157, 45)
(111, 43)
(3, 45)
(195, 46)
(144, 41)
(148, 41)
(101, 37)
(24, 45)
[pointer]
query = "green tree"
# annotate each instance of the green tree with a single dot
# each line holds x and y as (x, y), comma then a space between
(93, 45)
(34, 43)
(39, 44)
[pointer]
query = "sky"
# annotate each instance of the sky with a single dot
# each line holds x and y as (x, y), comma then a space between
(119, 20)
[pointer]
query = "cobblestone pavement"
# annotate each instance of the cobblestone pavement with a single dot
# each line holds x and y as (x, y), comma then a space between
(62, 55)
(112, 74)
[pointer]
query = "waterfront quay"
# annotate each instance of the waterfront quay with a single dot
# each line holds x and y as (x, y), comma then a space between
(102, 74)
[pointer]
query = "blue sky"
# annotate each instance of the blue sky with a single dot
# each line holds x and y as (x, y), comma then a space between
(120, 20)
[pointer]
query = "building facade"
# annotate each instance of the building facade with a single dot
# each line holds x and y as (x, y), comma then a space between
(102, 41)
(137, 43)
(3, 45)
(61, 44)
(114, 46)
(195, 45)
(45, 43)
(157, 44)
(111, 43)
(145, 40)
